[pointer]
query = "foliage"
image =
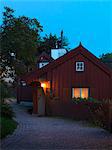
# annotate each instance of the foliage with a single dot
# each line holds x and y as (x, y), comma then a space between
(4, 91)
(107, 59)
(89, 99)
(21, 43)
(21, 36)
(6, 111)
(99, 115)
(7, 126)
(99, 112)
(107, 56)
(49, 42)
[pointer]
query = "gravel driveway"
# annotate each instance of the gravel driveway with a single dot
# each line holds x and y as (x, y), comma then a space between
(35, 133)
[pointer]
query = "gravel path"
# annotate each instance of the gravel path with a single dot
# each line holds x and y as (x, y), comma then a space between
(35, 133)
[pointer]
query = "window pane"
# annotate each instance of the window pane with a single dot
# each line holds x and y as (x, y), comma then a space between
(79, 66)
(76, 92)
(84, 93)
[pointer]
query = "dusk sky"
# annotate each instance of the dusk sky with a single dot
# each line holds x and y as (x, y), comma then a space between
(88, 21)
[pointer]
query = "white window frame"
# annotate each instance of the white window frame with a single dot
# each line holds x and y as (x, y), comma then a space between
(23, 83)
(78, 64)
(42, 64)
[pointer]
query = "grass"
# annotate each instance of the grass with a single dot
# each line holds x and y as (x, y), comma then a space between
(7, 126)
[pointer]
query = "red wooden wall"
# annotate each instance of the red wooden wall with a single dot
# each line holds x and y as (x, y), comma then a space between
(24, 94)
(64, 78)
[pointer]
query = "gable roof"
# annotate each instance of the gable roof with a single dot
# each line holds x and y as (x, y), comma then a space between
(44, 57)
(34, 75)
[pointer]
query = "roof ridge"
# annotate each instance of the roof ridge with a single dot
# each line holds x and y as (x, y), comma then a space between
(80, 49)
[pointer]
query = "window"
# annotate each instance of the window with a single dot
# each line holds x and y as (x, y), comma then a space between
(79, 66)
(42, 64)
(80, 92)
(23, 83)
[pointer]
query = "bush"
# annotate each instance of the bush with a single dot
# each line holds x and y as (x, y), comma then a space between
(6, 111)
(7, 126)
(100, 114)
(89, 99)
(4, 91)
(99, 111)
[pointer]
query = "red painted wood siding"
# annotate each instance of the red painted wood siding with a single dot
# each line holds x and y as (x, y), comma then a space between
(64, 78)
(24, 93)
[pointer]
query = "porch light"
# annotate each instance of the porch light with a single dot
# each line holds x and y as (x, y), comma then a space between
(43, 85)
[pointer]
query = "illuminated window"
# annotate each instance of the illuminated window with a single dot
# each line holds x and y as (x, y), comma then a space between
(79, 66)
(80, 92)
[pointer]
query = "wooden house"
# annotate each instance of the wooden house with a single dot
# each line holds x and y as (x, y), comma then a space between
(78, 73)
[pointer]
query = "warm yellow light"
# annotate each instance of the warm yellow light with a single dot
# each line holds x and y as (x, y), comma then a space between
(80, 92)
(77, 92)
(46, 86)
(85, 93)
(43, 85)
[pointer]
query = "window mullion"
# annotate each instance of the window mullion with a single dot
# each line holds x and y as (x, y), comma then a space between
(80, 92)
(73, 92)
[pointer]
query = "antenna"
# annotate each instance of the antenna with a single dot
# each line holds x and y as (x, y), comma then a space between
(61, 38)
(56, 44)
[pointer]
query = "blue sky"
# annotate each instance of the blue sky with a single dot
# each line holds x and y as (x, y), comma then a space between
(88, 21)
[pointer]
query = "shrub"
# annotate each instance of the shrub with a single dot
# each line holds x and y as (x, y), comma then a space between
(100, 114)
(4, 91)
(7, 126)
(89, 99)
(99, 111)
(6, 111)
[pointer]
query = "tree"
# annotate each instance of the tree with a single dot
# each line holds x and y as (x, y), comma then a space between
(107, 59)
(19, 36)
(49, 42)
(63, 41)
